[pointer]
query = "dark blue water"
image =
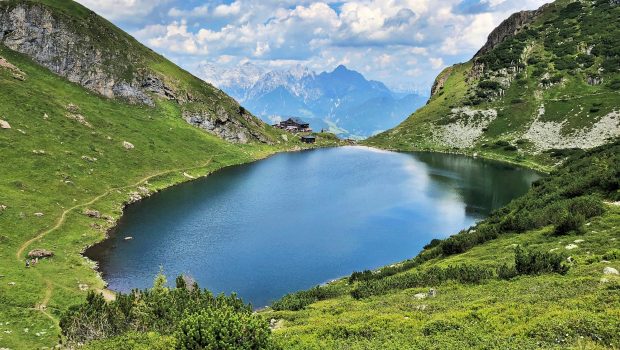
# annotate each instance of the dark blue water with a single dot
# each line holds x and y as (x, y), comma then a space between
(299, 219)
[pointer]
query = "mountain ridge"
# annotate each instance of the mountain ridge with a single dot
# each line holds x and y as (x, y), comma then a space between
(94, 53)
(545, 82)
(330, 100)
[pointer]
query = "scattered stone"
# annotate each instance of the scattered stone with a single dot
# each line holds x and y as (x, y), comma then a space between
(420, 296)
(4, 124)
(40, 253)
(45, 116)
(2, 207)
(610, 271)
(134, 197)
(38, 215)
(128, 238)
(285, 138)
(83, 287)
(604, 280)
(143, 191)
(80, 119)
(128, 145)
(421, 307)
(188, 176)
(92, 213)
(73, 108)
(21, 131)
(571, 246)
(579, 241)
(432, 293)
(38, 151)
(11, 283)
(89, 159)
(275, 324)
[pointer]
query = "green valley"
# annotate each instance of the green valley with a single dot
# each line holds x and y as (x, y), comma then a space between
(91, 120)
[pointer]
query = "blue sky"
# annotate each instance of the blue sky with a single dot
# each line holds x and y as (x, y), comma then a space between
(404, 43)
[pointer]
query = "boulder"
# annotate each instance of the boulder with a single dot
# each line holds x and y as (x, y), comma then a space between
(92, 213)
(420, 296)
(610, 271)
(4, 124)
(128, 145)
(40, 253)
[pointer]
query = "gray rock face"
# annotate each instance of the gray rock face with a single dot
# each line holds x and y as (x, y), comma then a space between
(440, 81)
(220, 123)
(34, 30)
(91, 52)
(509, 27)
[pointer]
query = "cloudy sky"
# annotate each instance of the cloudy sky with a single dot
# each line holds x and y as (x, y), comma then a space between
(403, 43)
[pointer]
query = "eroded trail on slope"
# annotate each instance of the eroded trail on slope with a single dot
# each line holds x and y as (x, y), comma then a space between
(49, 286)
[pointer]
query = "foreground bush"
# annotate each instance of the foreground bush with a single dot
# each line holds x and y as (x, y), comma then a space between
(190, 317)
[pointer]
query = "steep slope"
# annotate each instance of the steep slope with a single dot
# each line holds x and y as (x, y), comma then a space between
(79, 45)
(71, 157)
(546, 80)
(342, 100)
(540, 273)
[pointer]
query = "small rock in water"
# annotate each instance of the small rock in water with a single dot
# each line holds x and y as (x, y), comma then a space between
(610, 271)
(128, 238)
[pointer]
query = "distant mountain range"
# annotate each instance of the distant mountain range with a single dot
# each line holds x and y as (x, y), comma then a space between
(342, 101)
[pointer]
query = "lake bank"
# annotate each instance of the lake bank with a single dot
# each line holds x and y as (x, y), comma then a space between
(468, 213)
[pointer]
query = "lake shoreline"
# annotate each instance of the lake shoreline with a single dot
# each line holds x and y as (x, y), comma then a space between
(113, 232)
(110, 232)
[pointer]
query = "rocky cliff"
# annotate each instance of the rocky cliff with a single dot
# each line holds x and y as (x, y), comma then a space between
(545, 84)
(79, 45)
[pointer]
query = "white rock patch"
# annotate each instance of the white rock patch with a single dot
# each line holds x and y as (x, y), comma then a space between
(548, 135)
(464, 132)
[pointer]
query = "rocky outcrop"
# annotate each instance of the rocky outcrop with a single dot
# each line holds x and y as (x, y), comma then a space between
(222, 124)
(88, 50)
(440, 81)
(52, 41)
(40, 253)
(509, 27)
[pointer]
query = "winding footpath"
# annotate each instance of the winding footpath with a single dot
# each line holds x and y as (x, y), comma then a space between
(49, 286)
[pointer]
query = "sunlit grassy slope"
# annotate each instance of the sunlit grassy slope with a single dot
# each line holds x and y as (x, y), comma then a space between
(481, 302)
(567, 62)
(57, 166)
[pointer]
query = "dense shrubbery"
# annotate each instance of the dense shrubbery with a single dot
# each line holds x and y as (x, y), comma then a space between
(571, 195)
(299, 300)
(535, 262)
(168, 311)
(430, 277)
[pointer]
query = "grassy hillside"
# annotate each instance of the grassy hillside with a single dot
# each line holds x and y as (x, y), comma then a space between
(533, 97)
(67, 151)
(529, 276)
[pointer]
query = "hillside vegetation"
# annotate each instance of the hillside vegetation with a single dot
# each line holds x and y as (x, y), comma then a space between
(547, 82)
(71, 157)
(539, 273)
